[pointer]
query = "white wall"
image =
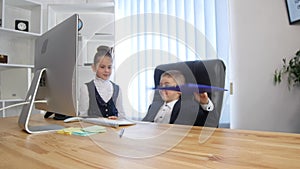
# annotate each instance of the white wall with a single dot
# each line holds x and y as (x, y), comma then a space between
(260, 37)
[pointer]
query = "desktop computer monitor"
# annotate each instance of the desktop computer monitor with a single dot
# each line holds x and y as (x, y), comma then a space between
(54, 74)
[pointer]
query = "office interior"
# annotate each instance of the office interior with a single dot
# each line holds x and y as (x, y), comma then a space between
(260, 36)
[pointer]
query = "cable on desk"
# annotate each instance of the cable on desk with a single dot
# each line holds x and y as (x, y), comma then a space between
(23, 103)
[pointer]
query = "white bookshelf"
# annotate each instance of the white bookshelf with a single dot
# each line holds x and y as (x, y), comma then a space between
(21, 10)
(16, 75)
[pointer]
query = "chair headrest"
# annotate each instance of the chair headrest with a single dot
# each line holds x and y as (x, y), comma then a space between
(201, 72)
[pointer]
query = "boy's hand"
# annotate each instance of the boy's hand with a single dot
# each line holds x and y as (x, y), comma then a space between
(202, 98)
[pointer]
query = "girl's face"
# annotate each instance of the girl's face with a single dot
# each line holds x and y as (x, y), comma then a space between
(103, 68)
(168, 95)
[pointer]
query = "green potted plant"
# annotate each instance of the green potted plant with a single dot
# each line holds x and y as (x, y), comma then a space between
(291, 69)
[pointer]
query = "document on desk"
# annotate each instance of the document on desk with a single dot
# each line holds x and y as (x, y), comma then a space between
(108, 122)
(82, 131)
(191, 88)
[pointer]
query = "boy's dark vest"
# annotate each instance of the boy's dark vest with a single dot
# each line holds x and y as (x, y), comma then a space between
(97, 106)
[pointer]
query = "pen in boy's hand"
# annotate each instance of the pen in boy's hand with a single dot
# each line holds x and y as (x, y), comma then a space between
(121, 133)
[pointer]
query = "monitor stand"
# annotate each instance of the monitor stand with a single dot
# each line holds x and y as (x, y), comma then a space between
(27, 108)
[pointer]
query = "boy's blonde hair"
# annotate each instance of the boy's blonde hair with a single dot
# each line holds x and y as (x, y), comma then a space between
(176, 75)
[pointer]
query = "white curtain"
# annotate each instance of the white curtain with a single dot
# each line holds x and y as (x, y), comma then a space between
(153, 32)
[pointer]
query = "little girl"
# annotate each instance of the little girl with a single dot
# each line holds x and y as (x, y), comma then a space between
(101, 97)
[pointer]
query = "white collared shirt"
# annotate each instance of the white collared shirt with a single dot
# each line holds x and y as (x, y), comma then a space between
(164, 113)
(209, 106)
(105, 89)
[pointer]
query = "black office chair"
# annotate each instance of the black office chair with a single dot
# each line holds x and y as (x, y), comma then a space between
(207, 72)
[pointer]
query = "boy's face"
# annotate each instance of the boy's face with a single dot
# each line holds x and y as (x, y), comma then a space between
(168, 95)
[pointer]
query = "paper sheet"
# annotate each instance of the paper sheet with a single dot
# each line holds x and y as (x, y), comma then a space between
(83, 131)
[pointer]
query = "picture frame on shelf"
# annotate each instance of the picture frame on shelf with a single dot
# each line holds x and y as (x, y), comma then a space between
(3, 58)
(293, 9)
(21, 25)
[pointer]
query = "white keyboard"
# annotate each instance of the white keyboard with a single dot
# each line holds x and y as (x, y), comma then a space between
(108, 122)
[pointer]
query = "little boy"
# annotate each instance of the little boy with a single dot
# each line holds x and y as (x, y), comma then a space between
(173, 109)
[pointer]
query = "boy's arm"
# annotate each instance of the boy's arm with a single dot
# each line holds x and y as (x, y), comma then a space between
(204, 101)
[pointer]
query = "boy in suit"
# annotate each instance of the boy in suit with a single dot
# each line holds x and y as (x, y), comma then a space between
(174, 108)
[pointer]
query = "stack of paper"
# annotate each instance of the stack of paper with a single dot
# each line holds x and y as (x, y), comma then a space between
(82, 131)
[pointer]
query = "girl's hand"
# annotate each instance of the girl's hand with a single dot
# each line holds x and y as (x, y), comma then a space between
(113, 117)
(202, 98)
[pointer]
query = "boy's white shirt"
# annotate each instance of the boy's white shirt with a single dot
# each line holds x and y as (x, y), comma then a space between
(164, 112)
(209, 106)
(164, 116)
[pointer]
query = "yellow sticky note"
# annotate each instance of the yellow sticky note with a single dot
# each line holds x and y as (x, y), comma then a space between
(69, 130)
(82, 131)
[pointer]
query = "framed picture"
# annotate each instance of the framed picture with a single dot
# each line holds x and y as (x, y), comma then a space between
(293, 8)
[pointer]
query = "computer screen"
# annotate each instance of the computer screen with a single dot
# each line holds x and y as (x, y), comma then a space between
(54, 74)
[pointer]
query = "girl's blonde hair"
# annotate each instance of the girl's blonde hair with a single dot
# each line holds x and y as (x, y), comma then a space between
(103, 51)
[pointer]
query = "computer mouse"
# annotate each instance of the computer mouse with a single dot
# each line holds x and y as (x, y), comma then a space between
(73, 119)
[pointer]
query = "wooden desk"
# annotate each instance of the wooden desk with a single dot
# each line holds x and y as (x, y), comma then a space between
(226, 148)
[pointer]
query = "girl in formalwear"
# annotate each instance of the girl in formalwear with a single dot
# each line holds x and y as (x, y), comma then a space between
(101, 97)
